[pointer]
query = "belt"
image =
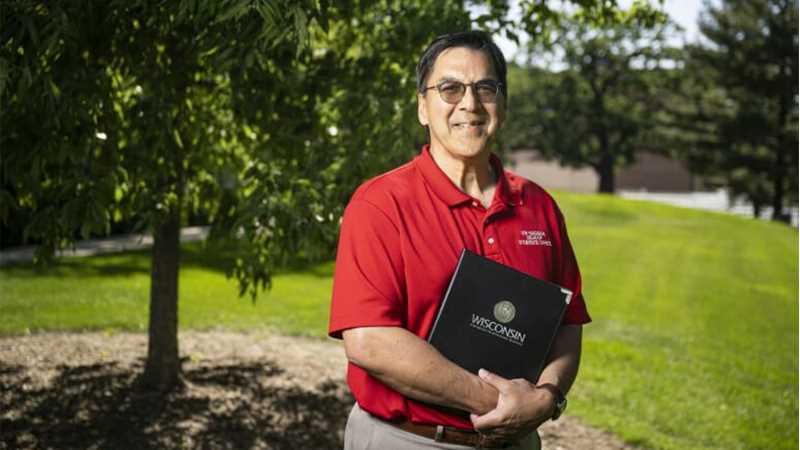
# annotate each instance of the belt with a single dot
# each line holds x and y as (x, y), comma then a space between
(449, 435)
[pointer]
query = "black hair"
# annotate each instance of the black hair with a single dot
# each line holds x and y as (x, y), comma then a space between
(476, 40)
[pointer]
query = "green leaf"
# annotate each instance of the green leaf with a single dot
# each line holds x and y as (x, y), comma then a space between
(301, 29)
(234, 11)
(177, 137)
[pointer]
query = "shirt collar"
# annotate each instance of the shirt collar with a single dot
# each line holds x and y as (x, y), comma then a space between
(444, 188)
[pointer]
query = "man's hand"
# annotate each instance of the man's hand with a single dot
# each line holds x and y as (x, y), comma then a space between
(521, 408)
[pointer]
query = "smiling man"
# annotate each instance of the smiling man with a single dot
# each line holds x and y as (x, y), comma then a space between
(400, 240)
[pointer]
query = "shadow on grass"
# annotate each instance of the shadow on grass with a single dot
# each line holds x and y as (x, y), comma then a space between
(117, 264)
(221, 256)
(233, 406)
(217, 257)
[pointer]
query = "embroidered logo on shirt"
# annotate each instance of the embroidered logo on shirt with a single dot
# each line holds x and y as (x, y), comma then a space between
(534, 237)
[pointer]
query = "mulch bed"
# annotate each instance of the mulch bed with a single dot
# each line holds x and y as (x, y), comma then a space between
(242, 391)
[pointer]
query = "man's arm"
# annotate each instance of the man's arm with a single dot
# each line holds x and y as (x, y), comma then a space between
(413, 367)
(521, 406)
(565, 357)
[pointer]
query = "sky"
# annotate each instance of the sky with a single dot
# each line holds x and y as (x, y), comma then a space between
(684, 12)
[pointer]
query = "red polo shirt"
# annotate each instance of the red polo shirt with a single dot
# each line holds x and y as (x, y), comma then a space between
(400, 240)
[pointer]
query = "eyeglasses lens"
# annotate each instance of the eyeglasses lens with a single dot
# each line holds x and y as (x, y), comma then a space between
(453, 91)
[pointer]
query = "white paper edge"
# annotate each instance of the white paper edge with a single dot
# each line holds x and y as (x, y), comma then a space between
(568, 293)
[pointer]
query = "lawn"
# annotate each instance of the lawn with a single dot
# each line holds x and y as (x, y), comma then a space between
(111, 292)
(694, 342)
(695, 336)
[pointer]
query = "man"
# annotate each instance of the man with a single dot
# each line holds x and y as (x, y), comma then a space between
(401, 236)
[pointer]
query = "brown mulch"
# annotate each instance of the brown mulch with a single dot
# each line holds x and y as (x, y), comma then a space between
(243, 391)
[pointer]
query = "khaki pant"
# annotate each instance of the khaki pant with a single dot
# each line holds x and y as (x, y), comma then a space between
(365, 432)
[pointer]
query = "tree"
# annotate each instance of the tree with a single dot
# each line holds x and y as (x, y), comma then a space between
(746, 70)
(120, 109)
(601, 108)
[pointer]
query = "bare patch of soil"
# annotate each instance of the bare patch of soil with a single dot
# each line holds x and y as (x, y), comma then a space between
(243, 391)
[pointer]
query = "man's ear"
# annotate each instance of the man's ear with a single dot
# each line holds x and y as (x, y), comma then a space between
(422, 110)
(502, 113)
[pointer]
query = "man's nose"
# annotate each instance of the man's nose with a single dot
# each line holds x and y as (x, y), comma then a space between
(470, 101)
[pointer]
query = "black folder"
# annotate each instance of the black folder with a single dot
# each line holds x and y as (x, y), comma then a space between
(498, 318)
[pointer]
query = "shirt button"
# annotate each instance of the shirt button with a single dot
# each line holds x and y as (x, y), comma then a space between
(490, 240)
(474, 203)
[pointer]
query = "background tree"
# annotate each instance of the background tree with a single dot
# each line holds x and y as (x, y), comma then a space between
(597, 105)
(742, 90)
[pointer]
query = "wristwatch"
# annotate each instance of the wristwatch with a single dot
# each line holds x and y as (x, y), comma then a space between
(560, 402)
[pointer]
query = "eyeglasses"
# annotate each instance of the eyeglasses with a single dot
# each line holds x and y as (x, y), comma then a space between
(452, 91)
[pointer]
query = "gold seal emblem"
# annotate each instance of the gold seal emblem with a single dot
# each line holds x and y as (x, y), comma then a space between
(504, 311)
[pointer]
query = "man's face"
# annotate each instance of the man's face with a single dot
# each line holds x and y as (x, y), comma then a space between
(464, 129)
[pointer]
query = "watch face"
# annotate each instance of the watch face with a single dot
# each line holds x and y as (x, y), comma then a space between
(561, 405)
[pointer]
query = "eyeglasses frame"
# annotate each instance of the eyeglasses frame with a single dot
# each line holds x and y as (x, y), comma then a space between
(438, 85)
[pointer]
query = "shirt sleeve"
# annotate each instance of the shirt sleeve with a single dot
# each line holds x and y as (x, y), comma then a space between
(368, 278)
(569, 276)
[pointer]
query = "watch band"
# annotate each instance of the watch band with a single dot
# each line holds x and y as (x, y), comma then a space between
(560, 399)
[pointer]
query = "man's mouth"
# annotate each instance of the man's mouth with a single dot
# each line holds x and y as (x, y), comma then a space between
(469, 124)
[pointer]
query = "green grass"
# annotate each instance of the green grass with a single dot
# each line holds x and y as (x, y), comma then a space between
(695, 336)
(694, 342)
(111, 292)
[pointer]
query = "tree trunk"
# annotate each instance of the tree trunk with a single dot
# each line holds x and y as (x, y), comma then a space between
(162, 370)
(605, 171)
(778, 184)
(779, 169)
(778, 179)
(756, 209)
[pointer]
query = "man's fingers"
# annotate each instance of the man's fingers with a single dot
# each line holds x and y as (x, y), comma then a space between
(492, 419)
(495, 380)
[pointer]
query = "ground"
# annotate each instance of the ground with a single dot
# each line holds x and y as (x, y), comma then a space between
(243, 391)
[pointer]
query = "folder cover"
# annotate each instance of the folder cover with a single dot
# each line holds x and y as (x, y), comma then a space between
(498, 318)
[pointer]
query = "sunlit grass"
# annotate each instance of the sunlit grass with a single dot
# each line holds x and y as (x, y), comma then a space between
(694, 340)
(112, 292)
